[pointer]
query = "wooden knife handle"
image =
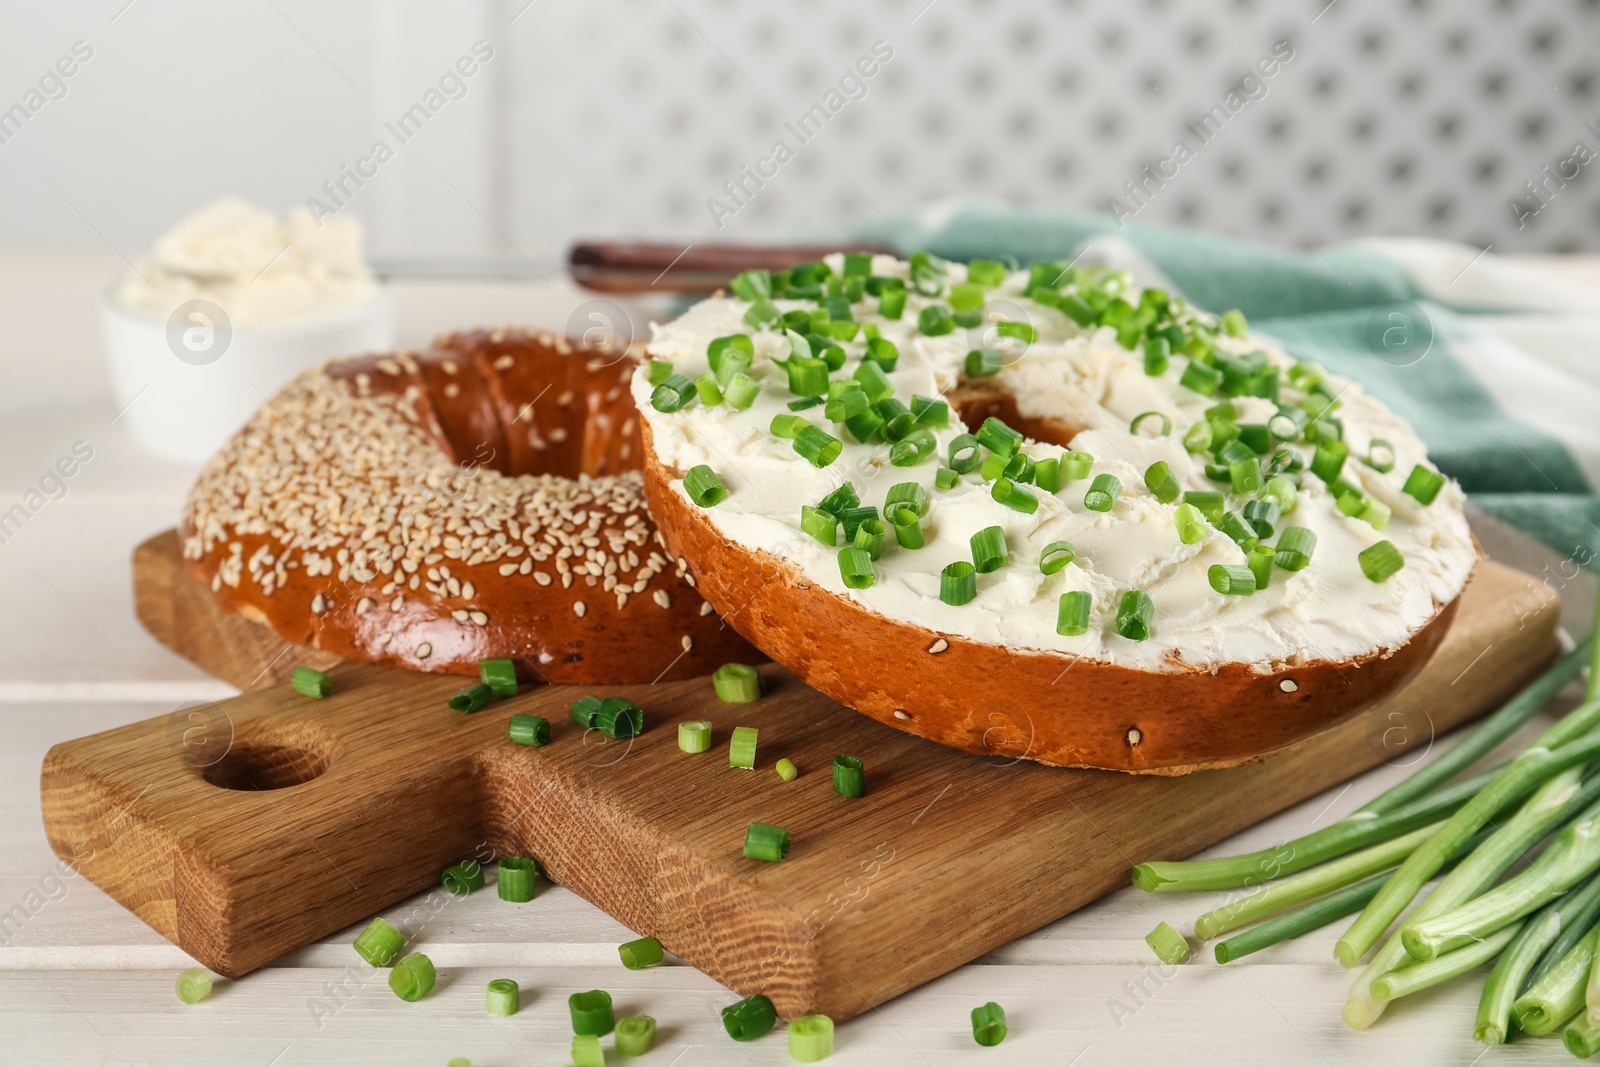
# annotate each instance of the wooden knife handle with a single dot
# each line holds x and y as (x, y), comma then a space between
(638, 266)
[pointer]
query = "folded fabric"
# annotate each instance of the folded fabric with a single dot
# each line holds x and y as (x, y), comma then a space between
(1493, 362)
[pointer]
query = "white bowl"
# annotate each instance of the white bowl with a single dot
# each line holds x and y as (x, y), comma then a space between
(184, 386)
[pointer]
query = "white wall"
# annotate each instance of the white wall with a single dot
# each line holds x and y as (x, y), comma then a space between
(621, 117)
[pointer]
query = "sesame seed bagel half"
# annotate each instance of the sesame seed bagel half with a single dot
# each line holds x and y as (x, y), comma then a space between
(1181, 655)
(428, 510)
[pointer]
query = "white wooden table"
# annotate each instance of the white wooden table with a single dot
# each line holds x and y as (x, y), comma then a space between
(83, 981)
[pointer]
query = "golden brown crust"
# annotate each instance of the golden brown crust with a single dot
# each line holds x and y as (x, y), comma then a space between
(430, 510)
(1010, 704)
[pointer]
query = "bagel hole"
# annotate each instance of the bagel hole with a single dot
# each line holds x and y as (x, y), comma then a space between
(976, 401)
(288, 756)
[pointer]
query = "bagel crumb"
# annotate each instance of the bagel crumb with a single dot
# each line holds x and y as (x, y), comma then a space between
(424, 650)
(1134, 736)
(938, 646)
(901, 713)
(662, 598)
(1288, 685)
(579, 608)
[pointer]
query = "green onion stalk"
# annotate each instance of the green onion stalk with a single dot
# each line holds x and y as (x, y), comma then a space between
(1570, 915)
(1440, 969)
(1558, 996)
(1567, 744)
(1582, 1039)
(1424, 796)
(1571, 856)
(1317, 882)
(1480, 869)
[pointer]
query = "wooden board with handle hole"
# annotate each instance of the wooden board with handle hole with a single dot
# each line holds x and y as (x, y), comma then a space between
(244, 829)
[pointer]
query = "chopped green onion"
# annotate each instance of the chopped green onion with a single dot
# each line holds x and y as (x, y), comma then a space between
(636, 1035)
(1014, 496)
(1047, 474)
(1072, 613)
(1256, 437)
(1262, 515)
(1190, 523)
(817, 446)
(810, 1038)
(865, 427)
(897, 420)
(412, 977)
(1239, 531)
(1381, 561)
(500, 675)
(737, 683)
(1138, 420)
(807, 376)
(694, 736)
(1169, 946)
(786, 770)
(706, 386)
(716, 353)
(1232, 580)
(958, 583)
(988, 274)
(752, 284)
(873, 380)
(1380, 455)
(917, 446)
(1259, 560)
(840, 500)
(1295, 546)
(515, 877)
(309, 682)
(585, 711)
(930, 412)
(945, 478)
(672, 394)
(1075, 466)
(1159, 479)
(1200, 378)
(1233, 323)
(892, 301)
(819, 524)
(1376, 514)
(787, 426)
(907, 524)
(989, 1024)
(704, 487)
(994, 466)
(1209, 503)
(619, 718)
(855, 567)
(997, 437)
(1102, 492)
(1244, 475)
(1022, 331)
(984, 362)
(907, 493)
(870, 537)
(853, 517)
(529, 730)
(1281, 490)
(806, 403)
(763, 841)
(742, 747)
(591, 1013)
(1134, 614)
(964, 454)
(194, 985)
(989, 549)
(733, 364)
(749, 1018)
(1288, 424)
(379, 943)
(462, 878)
(1197, 438)
(883, 352)
(471, 699)
(658, 371)
(1329, 459)
(849, 776)
(935, 320)
(637, 955)
(1056, 555)
(1157, 354)
(502, 998)
(1423, 484)
(1020, 468)
(857, 264)
(741, 390)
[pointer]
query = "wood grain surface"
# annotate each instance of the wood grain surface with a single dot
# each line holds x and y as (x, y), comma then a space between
(243, 829)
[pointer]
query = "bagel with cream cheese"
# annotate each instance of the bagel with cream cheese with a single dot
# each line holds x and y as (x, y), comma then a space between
(1170, 547)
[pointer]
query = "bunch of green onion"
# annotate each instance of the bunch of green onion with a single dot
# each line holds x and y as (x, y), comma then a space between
(1540, 927)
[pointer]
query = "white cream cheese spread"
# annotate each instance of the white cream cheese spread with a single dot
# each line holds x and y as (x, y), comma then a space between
(1328, 610)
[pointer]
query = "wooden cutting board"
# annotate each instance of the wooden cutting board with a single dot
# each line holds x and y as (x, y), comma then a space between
(244, 829)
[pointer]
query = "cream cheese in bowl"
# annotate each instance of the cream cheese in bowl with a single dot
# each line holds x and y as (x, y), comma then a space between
(229, 305)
